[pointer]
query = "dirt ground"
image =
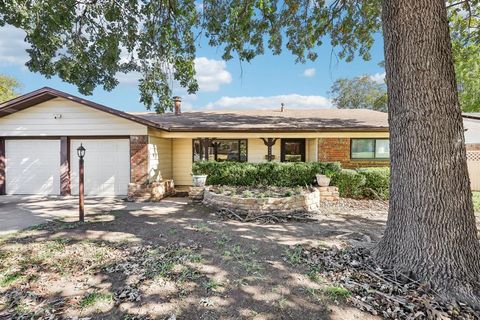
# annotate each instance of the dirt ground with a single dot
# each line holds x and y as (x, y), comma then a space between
(178, 261)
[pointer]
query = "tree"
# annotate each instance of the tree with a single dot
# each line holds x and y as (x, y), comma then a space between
(431, 232)
(8, 87)
(359, 93)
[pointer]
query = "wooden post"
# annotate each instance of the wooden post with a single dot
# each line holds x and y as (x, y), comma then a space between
(206, 144)
(3, 182)
(81, 191)
(270, 142)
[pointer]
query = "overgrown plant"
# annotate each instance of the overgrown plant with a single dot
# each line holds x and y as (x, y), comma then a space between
(263, 174)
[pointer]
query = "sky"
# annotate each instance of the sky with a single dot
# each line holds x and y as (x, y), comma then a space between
(264, 83)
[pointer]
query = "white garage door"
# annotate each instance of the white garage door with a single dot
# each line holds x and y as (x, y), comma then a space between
(32, 166)
(107, 166)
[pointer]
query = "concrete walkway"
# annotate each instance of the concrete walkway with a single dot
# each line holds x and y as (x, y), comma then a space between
(20, 212)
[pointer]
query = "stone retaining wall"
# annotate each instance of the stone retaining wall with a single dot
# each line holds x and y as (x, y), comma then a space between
(329, 193)
(153, 191)
(308, 202)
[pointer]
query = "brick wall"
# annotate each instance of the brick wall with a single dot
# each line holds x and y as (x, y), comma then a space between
(138, 159)
(338, 150)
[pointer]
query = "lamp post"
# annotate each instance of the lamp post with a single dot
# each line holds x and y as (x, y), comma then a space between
(81, 190)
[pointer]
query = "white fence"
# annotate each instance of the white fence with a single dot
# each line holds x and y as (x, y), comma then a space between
(473, 162)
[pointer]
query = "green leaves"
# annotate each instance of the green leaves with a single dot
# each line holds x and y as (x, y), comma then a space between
(8, 87)
(359, 93)
(89, 43)
(464, 30)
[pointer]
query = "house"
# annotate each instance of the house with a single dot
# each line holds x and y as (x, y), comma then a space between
(471, 124)
(41, 131)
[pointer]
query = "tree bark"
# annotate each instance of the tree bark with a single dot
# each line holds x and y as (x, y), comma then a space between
(431, 232)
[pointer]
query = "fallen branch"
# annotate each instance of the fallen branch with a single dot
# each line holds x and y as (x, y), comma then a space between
(270, 217)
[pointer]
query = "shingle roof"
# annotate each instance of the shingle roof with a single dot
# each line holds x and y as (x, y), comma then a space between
(246, 120)
(272, 120)
(471, 115)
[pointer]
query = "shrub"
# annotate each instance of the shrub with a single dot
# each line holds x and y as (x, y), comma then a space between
(350, 183)
(263, 174)
(377, 182)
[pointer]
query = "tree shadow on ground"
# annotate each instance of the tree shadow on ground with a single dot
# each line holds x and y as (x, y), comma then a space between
(246, 270)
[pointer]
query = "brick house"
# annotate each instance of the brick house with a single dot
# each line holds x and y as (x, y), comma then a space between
(40, 132)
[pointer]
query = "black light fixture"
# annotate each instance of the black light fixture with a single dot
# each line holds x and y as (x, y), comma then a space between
(81, 151)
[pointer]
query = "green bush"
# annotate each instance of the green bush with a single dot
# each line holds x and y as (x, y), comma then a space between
(377, 181)
(263, 174)
(350, 183)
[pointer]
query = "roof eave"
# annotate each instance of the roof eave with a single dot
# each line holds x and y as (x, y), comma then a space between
(297, 130)
(46, 94)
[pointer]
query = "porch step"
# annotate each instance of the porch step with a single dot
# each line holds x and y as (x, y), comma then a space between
(182, 191)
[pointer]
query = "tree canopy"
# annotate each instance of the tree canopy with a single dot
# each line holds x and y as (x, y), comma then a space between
(359, 93)
(9, 87)
(88, 43)
(464, 25)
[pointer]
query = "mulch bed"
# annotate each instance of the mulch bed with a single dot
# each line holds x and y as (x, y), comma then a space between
(381, 292)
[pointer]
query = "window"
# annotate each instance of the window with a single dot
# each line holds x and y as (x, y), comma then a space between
(370, 149)
(220, 149)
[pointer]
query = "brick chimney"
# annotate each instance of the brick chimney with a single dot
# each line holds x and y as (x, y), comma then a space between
(282, 107)
(177, 102)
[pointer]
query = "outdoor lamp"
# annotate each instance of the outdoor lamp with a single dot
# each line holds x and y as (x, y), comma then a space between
(81, 151)
(81, 182)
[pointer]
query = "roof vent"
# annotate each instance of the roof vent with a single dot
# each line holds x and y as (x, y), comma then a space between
(177, 103)
(282, 107)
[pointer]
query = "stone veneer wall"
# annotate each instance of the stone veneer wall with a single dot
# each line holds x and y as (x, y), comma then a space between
(154, 191)
(308, 202)
(338, 150)
(138, 159)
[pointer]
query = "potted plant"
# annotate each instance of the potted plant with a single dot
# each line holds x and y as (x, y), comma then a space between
(199, 180)
(323, 180)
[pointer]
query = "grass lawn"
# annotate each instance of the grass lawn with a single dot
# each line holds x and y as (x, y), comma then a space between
(153, 262)
(476, 201)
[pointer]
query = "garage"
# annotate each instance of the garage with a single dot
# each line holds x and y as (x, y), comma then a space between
(32, 166)
(107, 166)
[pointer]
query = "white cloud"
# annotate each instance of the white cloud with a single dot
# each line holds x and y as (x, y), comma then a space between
(378, 77)
(129, 79)
(310, 72)
(291, 101)
(13, 46)
(211, 74)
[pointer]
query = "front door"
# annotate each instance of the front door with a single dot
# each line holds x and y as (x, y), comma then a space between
(293, 150)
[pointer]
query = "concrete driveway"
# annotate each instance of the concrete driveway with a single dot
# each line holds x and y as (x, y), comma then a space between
(20, 212)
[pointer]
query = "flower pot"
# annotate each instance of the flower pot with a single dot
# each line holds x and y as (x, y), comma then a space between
(323, 180)
(199, 180)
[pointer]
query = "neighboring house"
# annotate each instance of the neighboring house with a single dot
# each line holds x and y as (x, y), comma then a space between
(471, 123)
(40, 132)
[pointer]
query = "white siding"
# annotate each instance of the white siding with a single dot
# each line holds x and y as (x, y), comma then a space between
(159, 158)
(472, 133)
(76, 120)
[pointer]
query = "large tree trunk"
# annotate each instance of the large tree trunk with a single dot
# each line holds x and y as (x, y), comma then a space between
(431, 232)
